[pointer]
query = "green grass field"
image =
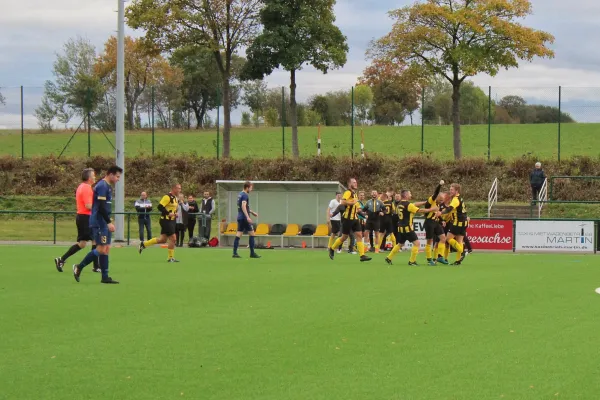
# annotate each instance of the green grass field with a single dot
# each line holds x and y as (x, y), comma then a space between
(507, 141)
(295, 325)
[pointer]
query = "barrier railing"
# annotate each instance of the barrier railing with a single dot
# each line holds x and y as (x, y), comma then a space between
(542, 197)
(492, 196)
(60, 220)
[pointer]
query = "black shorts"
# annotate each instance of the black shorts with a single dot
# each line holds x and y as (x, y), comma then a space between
(404, 237)
(84, 233)
(458, 230)
(167, 227)
(386, 224)
(336, 226)
(363, 225)
(447, 227)
(372, 225)
(433, 229)
(350, 225)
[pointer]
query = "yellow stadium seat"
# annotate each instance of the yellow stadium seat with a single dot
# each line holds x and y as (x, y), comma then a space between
(262, 229)
(231, 228)
(292, 230)
(322, 230)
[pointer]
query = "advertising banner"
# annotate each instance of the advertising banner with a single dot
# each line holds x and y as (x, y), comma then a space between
(491, 234)
(555, 236)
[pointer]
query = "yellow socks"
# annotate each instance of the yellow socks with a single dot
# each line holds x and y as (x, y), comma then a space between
(150, 242)
(413, 253)
(458, 247)
(393, 239)
(361, 248)
(446, 252)
(331, 241)
(380, 241)
(428, 251)
(171, 253)
(441, 249)
(394, 251)
(337, 243)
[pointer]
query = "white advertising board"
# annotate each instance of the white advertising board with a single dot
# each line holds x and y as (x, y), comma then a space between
(555, 236)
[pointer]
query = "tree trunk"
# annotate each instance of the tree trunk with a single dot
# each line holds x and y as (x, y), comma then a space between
(294, 114)
(199, 118)
(456, 119)
(226, 117)
(130, 116)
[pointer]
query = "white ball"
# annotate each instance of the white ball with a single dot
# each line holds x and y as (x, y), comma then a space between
(598, 290)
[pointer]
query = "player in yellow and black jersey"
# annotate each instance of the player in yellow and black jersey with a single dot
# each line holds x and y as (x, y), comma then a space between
(406, 211)
(168, 208)
(433, 228)
(386, 225)
(459, 222)
(350, 221)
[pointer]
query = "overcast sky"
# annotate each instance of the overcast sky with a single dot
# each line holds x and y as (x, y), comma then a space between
(32, 31)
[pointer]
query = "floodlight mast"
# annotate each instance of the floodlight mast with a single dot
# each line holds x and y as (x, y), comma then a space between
(120, 132)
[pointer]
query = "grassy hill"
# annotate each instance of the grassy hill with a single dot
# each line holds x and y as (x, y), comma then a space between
(507, 141)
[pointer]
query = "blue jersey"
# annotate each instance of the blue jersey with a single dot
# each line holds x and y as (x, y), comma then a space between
(243, 196)
(101, 204)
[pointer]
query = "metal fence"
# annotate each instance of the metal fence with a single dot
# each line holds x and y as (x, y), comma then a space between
(548, 123)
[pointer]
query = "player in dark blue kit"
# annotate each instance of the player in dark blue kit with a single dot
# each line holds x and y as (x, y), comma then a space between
(101, 225)
(244, 221)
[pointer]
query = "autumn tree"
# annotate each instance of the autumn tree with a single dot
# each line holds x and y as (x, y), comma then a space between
(223, 26)
(296, 33)
(461, 38)
(143, 67)
(396, 91)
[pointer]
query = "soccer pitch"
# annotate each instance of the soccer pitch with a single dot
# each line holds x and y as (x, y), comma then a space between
(296, 325)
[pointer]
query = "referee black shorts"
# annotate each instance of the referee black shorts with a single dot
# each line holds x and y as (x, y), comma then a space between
(168, 227)
(433, 229)
(84, 233)
(350, 225)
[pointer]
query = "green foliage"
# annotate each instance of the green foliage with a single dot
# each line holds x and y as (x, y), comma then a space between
(272, 117)
(255, 96)
(313, 118)
(520, 112)
(246, 119)
(75, 89)
(363, 100)
(295, 33)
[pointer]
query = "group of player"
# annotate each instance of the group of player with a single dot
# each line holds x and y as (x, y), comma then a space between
(94, 223)
(392, 214)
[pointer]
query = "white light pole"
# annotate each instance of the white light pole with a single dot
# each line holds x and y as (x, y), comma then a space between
(120, 134)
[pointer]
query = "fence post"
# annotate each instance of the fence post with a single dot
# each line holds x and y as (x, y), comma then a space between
(282, 122)
(422, 120)
(559, 113)
(489, 122)
(22, 126)
(152, 120)
(54, 227)
(218, 119)
(128, 228)
(89, 132)
(352, 123)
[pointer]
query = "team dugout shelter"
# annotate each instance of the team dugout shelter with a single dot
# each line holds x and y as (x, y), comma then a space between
(290, 214)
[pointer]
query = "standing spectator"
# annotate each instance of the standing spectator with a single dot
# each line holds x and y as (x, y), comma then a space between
(193, 210)
(144, 207)
(537, 178)
(207, 207)
(181, 220)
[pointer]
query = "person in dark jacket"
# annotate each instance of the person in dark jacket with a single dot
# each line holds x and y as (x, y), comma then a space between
(193, 210)
(144, 207)
(537, 178)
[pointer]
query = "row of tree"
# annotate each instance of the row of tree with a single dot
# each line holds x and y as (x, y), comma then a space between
(433, 43)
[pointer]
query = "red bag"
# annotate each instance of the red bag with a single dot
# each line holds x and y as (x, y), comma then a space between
(214, 242)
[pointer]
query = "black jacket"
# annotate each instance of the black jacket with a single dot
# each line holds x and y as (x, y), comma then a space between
(537, 177)
(193, 209)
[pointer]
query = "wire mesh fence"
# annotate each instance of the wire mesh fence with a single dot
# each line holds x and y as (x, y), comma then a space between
(548, 123)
